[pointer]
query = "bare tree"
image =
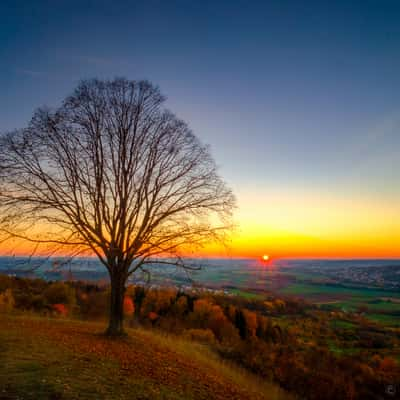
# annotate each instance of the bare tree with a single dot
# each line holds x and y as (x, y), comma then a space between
(113, 172)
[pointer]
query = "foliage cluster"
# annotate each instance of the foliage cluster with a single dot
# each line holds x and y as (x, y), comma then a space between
(311, 352)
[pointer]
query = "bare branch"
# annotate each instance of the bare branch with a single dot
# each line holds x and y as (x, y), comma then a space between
(112, 172)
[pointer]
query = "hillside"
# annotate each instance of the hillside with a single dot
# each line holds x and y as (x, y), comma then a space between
(183, 337)
(42, 358)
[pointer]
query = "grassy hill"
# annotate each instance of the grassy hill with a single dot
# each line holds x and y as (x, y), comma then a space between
(43, 358)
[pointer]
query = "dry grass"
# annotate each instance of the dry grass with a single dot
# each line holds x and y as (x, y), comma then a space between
(201, 354)
(43, 358)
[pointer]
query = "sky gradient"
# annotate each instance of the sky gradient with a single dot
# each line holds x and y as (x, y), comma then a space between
(299, 102)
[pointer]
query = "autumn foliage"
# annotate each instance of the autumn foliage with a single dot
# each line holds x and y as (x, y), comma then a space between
(293, 343)
(129, 307)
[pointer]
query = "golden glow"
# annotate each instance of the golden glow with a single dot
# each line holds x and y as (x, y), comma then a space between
(265, 257)
(315, 224)
(303, 224)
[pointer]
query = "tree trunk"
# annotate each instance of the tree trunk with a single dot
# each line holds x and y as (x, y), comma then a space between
(115, 327)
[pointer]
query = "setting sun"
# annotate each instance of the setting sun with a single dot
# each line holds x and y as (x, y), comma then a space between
(265, 257)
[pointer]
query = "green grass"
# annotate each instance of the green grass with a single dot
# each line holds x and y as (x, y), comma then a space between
(342, 324)
(245, 294)
(385, 319)
(317, 288)
(340, 350)
(350, 300)
(383, 306)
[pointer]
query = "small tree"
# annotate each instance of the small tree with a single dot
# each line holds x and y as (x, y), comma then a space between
(112, 172)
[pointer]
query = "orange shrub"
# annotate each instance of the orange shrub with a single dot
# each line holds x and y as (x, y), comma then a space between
(232, 313)
(129, 307)
(152, 316)
(202, 309)
(158, 301)
(251, 322)
(388, 364)
(60, 309)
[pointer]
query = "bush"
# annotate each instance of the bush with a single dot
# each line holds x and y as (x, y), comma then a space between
(94, 304)
(60, 309)
(60, 293)
(129, 307)
(37, 302)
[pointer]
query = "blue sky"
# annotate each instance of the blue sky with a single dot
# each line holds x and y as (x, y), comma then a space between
(296, 97)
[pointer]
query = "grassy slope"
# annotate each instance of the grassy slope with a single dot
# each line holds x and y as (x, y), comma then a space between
(58, 359)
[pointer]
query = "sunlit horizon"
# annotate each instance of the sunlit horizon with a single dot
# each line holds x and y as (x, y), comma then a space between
(304, 128)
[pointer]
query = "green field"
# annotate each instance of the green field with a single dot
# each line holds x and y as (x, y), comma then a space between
(337, 290)
(245, 294)
(348, 299)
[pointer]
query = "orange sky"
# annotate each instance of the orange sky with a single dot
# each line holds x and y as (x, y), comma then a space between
(294, 224)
